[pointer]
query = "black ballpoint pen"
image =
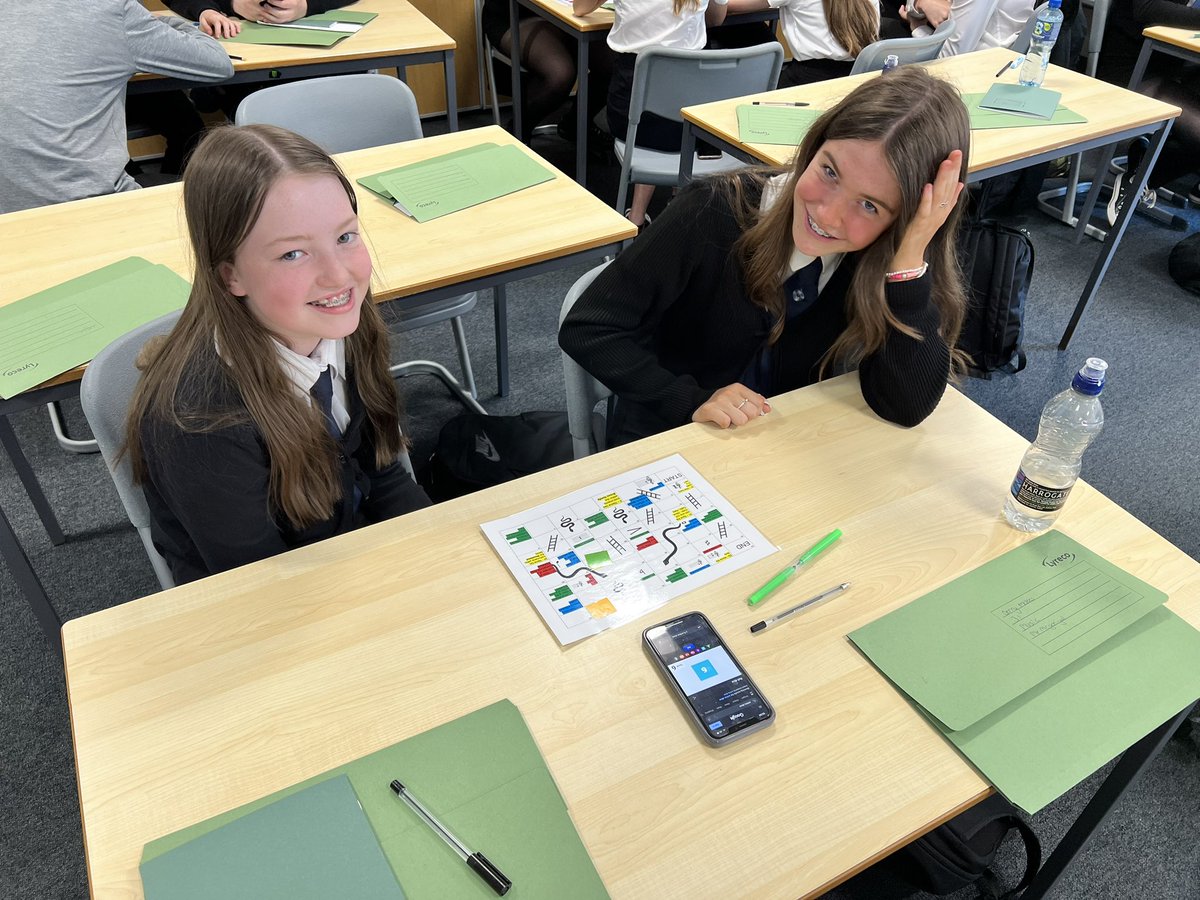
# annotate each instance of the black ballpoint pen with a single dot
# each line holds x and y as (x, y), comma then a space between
(479, 864)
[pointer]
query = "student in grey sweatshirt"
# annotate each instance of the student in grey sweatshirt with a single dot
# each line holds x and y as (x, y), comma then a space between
(62, 111)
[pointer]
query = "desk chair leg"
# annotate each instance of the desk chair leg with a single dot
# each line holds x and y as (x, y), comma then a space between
(68, 443)
(1131, 765)
(8, 439)
(451, 90)
(464, 357)
(514, 16)
(582, 120)
(1109, 248)
(687, 153)
(500, 312)
(29, 585)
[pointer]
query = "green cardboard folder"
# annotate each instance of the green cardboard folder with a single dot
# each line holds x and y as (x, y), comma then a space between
(320, 30)
(57, 329)
(1041, 665)
(458, 180)
(314, 843)
(983, 119)
(482, 776)
(1022, 100)
(775, 124)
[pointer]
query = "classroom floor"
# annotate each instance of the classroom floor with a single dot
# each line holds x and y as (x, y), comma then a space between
(1142, 323)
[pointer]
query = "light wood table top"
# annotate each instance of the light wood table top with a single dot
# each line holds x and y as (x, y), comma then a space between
(1108, 109)
(597, 20)
(52, 244)
(1176, 37)
(191, 702)
(400, 29)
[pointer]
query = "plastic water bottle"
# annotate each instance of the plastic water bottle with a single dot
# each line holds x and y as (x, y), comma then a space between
(1051, 464)
(890, 62)
(1045, 33)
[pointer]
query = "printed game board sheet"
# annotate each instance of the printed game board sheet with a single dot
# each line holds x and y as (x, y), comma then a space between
(614, 550)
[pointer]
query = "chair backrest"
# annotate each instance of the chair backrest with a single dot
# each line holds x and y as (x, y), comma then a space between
(908, 50)
(583, 391)
(338, 113)
(1021, 44)
(104, 393)
(665, 81)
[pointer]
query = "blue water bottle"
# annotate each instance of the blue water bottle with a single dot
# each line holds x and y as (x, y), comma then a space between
(1045, 33)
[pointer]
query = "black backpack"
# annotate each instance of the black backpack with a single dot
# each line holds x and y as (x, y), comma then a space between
(997, 264)
(475, 451)
(1184, 263)
(959, 852)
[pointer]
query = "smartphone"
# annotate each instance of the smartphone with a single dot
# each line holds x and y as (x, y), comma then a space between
(718, 696)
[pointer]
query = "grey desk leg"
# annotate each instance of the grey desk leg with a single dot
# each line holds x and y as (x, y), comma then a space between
(402, 73)
(582, 120)
(12, 447)
(687, 153)
(1131, 765)
(1093, 194)
(514, 16)
(1109, 248)
(1139, 69)
(451, 90)
(500, 311)
(28, 584)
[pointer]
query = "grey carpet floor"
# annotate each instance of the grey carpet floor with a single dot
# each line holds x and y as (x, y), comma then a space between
(1142, 323)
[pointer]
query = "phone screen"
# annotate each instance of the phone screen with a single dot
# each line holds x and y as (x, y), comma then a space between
(718, 691)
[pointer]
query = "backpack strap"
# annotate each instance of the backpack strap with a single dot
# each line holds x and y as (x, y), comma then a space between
(1033, 855)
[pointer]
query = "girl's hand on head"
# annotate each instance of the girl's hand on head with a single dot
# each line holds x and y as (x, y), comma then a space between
(214, 24)
(937, 202)
(732, 405)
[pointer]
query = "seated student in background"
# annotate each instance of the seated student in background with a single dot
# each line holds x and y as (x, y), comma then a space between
(763, 281)
(825, 35)
(266, 419)
(978, 24)
(549, 56)
(640, 25)
(274, 12)
(1167, 78)
(64, 67)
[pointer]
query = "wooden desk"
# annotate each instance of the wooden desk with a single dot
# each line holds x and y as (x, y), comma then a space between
(202, 698)
(401, 36)
(585, 31)
(1178, 42)
(1113, 114)
(548, 226)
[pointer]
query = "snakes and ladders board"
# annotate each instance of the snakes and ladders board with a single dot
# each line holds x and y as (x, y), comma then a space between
(606, 554)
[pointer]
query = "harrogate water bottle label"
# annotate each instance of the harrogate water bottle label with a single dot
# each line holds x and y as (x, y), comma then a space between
(1037, 496)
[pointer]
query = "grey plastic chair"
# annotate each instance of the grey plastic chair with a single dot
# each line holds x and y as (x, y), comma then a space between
(665, 81)
(908, 50)
(583, 391)
(353, 112)
(104, 393)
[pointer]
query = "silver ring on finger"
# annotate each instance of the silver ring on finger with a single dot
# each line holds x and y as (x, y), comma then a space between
(745, 400)
(944, 204)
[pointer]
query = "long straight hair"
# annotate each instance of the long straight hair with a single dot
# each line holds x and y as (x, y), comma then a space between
(853, 23)
(226, 185)
(680, 5)
(918, 119)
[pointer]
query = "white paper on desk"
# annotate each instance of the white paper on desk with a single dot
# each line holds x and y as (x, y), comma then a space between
(606, 554)
(347, 27)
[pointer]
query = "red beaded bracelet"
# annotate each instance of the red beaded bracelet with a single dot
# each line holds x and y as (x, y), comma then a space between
(907, 274)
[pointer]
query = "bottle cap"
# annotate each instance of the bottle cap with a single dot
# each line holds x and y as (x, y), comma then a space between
(1055, 4)
(1090, 378)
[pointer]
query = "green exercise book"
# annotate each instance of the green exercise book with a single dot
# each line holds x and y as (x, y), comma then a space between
(1021, 100)
(983, 119)
(1040, 665)
(458, 180)
(57, 329)
(321, 30)
(484, 778)
(775, 124)
(315, 843)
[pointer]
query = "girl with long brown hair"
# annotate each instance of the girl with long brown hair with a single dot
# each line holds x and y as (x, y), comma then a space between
(824, 35)
(764, 280)
(267, 419)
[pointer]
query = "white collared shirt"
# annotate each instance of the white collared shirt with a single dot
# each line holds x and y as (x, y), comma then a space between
(807, 31)
(772, 191)
(303, 372)
(652, 23)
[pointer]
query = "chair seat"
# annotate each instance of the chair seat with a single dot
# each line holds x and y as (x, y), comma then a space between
(659, 168)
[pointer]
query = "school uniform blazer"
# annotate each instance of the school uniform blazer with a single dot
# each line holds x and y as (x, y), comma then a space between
(670, 322)
(191, 9)
(208, 491)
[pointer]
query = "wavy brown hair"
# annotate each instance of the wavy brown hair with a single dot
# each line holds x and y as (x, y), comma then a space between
(853, 23)
(919, 120)
(226, 185)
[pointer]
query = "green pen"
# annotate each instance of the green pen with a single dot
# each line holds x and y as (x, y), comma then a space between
(803, 559)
